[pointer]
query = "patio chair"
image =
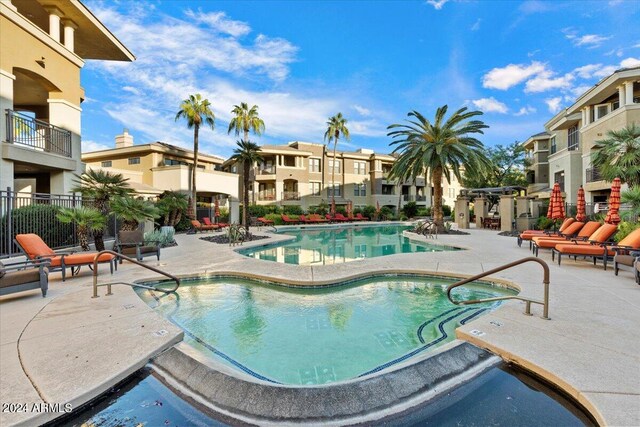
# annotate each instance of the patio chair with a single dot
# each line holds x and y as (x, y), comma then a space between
(530, 234)
(626, 258)
(36, 249)
(317, 218)
(341, 218)
(207, 221)
(598, 245)
(23, 276)
(264, 221)
(578, 230)
(288, 220)
(303, 218)
(198, 226)
(131, 243)
(360, 217)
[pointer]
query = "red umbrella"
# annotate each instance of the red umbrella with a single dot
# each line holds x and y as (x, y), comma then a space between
(349, 209)
(613, 216)
(581, 214)
(556, 205)
(216, 207)
(333, 207)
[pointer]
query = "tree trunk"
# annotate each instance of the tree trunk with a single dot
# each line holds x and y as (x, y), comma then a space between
(194, 204)
(333, 175)
(83, 238)
(436, 178)
(245, 195)
(129, 225)
(98, 238)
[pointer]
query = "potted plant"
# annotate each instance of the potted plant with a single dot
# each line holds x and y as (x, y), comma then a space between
(171, 205)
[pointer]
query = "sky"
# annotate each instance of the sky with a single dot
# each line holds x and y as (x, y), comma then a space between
(374, 61)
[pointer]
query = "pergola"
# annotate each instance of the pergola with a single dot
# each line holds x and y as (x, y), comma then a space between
(492, 191)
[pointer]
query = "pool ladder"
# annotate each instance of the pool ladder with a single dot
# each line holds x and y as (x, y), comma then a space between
(133, 285)
(528, 301)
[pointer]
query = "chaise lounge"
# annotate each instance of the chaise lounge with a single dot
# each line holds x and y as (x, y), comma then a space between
(36, 249)
(131, 243)
(198, 226)
(530, 234)
(584, 233)
(24, 276)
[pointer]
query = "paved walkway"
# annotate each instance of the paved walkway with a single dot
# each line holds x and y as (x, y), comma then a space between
(68, 347)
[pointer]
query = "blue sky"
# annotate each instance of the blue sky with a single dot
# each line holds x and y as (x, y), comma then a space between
(374, 61)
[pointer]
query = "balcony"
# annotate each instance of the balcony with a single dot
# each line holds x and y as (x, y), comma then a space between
(593, 175)
(266, 171)
(39, 135)
(290, 195)
(266, 196)
(414, 198)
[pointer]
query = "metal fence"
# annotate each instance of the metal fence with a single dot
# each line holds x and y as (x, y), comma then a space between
(36, 213)
(25, 130)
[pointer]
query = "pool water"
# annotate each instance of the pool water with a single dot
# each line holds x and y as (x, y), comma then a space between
(319, 246)
(322, 335)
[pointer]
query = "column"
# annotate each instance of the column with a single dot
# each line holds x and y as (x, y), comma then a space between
(69, 33)
(64, 114)
(587, 114)
(522, 206)
(481, 209)
(628, 89)
(6, 103)
(621, 95)
(54, 22)
(584, 117)
(462, 212)
(506, 212)
(234, 210)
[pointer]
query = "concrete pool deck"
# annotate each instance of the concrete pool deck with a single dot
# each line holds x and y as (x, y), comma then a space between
(68, 347)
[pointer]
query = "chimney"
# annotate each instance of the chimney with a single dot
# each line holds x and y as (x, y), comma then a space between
(124, 140)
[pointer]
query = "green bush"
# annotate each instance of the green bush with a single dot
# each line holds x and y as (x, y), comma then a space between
(276, 218)
(39, 219)
(446, 210)
(624, 229)
(321, 209)
(410, 210)
(544, 223)
(184, 224)
(163, 239)
(369, 211)
(423, 212)
(292, 210)
(386, 213)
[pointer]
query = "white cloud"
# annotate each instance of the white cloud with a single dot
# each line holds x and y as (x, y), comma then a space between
(630, 63)
(476, 25)
(579, 90)
(218, 21)
(88, 145)
(553, 104)
(637, 45)
(490, 105)
(437, 4)
(545, 81)
(587, 71)
(511, 75)
(588, 40)
(525, 111)
(362, 110)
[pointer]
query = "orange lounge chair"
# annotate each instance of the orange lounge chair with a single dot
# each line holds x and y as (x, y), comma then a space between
(36, 249)
(262, 220)
(577, 230)
(198, 226)
(317, 218)
(340, 217)
(288, 220)
(530, 234)
(595, 248)
(304, 219)
(207, 221)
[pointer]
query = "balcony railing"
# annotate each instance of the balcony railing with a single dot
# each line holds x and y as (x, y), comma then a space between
(413, 198)
(266, 171)
(25, 130)
(290, 195)
(593, 175)
(266, 195)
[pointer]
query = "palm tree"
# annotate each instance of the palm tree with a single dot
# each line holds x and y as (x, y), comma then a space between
(246, 153)
(171, 205)
(101, 186)
(619, 155)
(86, 219)
(196, 111)
(133, 210)
(632, 198)
(438, 149)
(246, 120)
(336, 125)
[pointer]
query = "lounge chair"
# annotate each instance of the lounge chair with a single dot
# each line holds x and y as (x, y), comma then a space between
(207, 221)
(198, 226)
(263, 221)
(627, 258)
(131, 243)
(530, 234)
(360, 217)
(288, 220)
(36, 249)
(317, 218)
(341, 218)
(23, 276)
(304, 219)
(598, 245)
(577, 230)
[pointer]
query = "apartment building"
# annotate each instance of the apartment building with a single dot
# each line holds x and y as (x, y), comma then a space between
(570, 136)
(155, 167)
(301, 173)
(44, 45)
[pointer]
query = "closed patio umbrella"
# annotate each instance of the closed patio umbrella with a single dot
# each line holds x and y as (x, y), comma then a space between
(216, 207)
(556, 205)
(613, 216)
(349, 209)
(333, 207)
(581, 214)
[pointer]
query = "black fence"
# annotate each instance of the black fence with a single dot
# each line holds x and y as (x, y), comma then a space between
(36, 213)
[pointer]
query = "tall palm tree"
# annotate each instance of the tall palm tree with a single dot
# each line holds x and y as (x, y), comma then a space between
(247, 153)
(336, 125)
(619, 155)
(197, 112)
(87, 220)
(246, 120)
(438, 149)
(101, 186)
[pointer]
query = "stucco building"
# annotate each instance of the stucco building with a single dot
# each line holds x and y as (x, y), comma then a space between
(44, 45)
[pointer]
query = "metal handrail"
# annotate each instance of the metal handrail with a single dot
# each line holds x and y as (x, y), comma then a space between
(134, 261)
(545, 282)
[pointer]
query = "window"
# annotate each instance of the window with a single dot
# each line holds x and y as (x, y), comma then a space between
(388, 189)
(173, 162)
(335, 168)
(314, 165)
(601, 111)
(134, 160)
(559, 178)
(333, 190)
(574, 138)
(106, 164)
(360, 190)
(314, 187)
(359, 168)
(553, 144)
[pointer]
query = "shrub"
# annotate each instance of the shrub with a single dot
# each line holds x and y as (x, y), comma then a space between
(423, 212)
(276, 218)
(446, 210)
(292, 210)
(624, 229)
(369, 211)
(184, 224)
(386, 213)
(410, 209)
(544, 223)
(322, 209)
(224, 214)
(262, 210)
(39, 219)
(172, 205)
(163, 239)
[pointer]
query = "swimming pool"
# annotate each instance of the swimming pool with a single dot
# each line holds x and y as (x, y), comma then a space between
(323, 245)
(317, 336)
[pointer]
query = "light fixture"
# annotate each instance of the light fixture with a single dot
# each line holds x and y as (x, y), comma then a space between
(40, 62)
